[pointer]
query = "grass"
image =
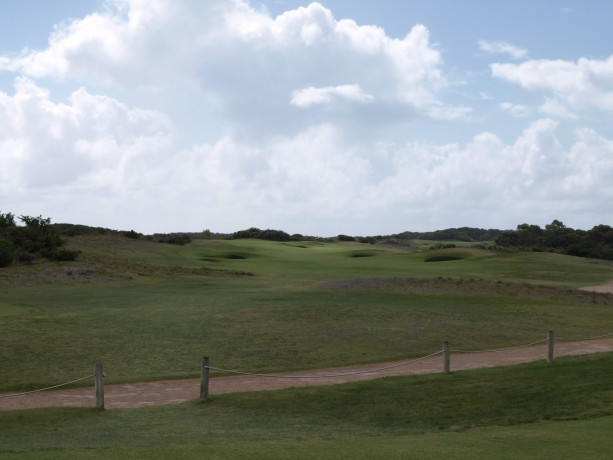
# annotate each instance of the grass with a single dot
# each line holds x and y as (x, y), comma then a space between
(149, 311)
(527, 411)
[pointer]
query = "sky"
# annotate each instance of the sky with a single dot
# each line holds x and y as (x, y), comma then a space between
(362, 117)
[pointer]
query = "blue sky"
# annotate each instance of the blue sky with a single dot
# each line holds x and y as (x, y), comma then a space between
(362, 117)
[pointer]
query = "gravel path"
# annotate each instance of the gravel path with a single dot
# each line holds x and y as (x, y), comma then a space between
(178, 391)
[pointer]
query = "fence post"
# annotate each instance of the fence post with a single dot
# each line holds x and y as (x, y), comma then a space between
(99, 379)
(204, 379)
(550, 345)
(446, 358)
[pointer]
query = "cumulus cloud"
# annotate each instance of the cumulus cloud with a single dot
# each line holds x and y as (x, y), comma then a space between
(90, 141)
(517, 110)
(310, 96)
(298, 96)
(504, 48)
(245, 61)
(95, 156)
(576, 86)
(330, 179)
(554, 108)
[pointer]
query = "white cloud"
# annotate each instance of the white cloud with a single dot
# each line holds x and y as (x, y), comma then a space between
(310, 96)
(517, 110)
(330, 179)
(554, 108)
(114, 165)
(302, 99)
(507, 49)
(242, 59)
(90, 142)
(577, 86)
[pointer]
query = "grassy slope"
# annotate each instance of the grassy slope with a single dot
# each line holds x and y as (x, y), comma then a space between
(528, 411)
(149, 311)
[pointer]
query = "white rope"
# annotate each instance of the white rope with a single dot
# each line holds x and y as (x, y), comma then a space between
(587, 338)
(48, 388)
(499, 349)
(322, 376)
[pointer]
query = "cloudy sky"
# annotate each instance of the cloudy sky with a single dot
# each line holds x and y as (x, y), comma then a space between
(362, 117)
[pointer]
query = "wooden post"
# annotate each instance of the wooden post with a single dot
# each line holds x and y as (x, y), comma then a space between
(446, 358)
(204, 379)
(550, 344)
(99, 379)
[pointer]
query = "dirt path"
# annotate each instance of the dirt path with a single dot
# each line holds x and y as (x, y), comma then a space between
(178, 391)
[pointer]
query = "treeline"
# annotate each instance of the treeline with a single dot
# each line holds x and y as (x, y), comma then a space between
(596, 243)
(253, 232)
(36, 238)
(178, 238)
(465, 234)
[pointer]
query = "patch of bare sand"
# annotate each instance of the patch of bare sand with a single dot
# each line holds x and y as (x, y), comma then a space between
(602, 288)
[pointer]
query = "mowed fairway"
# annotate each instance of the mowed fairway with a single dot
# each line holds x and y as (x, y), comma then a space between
(149, 311)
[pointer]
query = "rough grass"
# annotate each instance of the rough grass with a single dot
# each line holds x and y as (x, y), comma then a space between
(472, 287)
(149, 311)
(537, 409)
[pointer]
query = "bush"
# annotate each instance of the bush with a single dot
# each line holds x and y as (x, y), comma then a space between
(253, 232)
(7, 252)
(442, 258)
(131, 234)
(63, 255)
(180, 239)
(345, 238)
(25, 257)
(26, 243)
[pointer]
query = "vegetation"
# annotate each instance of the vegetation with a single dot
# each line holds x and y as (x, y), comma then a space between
(466, 234)
(596, 243)
(527, 411)
(149, 311)
(271, 235)
(31, 241)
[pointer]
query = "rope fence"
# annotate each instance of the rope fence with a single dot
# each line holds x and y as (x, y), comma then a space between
(495, 350)
(98, 377)
(446, 351)
(586, 338)
(47, 388)
(324, 376)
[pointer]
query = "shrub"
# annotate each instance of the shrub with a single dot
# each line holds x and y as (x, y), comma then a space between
(7, 252)
(180, 239)
(63, 255)
(25, 257)
(253, 232)
(442, 258)
(345, 238)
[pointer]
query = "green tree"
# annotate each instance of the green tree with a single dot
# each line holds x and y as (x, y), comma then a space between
(35, 238)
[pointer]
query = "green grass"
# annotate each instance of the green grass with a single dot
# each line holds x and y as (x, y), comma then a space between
(149, 311)
(527, 411)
